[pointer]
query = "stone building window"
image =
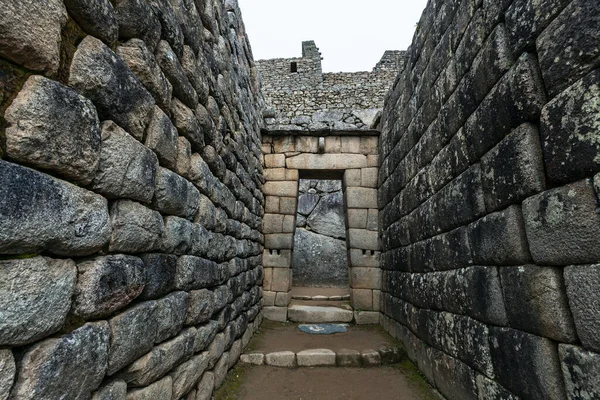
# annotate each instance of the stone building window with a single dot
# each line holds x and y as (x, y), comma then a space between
(294, 67)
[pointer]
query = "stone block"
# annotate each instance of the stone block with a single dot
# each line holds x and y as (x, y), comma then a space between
(499, 239)
(361, 197)
(269, 299)
(40, 213)
(514, 352)
(282, 299)
(201, 306)
(574, 27)
(369, 145)
(187, 124)
(513, 170)
(170, 315)
(184, 157)
(562, 225)
(391, 354)
(373, 220)
(169, 64)
(582, 289)
(272, 204)
(278, 314)
(284, 144)
(122, 98)
(107, 284)
(347, 358)
(315, 358)
(366, 317)
(363, 239)
(376, 300)
(373, 161)
(268, 278)
(135, 228)
(136, 19)
(333, 144)
(369, 177)
(285, 359)
(362, 299)
(318, 314)
(33, 35)
(195, 273)
(370, 358)
(52, 127)
(570, 153)
(205, 335)
(272, 223)
(351, 144)
(35, 298)
(282, 280)
(326, 161)
(206, 386)
(352, 178)
(454, 379)
(7, 372)
(187, 375)
(159, 270)
(253, 358)
(162, 389)
(489, 389)
(279, 241)
(281, 188)
(307, 144)
(536, 302)
(581, 371)
(132, 334)
(362, 258)
(357, 218)
(162, 138)
(365, 278)
(274, 160)
(175, 195)
(178, 235)
(287, 205)
(113, 390)
(79, 357)
(274, 174)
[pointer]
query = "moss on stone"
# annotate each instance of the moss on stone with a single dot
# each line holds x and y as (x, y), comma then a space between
(231, 389)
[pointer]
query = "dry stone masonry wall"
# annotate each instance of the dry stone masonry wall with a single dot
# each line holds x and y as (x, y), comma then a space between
(131, 198)
(489, 199)
(300, 97)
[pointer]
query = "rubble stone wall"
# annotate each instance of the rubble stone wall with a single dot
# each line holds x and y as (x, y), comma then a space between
(309, 100)
(489, 199)
(130, 198)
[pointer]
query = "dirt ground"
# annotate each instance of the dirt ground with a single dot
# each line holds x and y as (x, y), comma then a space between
(281, 337)
(400, 382)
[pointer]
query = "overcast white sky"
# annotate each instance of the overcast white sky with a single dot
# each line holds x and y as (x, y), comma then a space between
(351, 34)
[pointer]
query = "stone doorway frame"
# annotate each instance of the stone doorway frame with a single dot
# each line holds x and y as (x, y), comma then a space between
(354, 155)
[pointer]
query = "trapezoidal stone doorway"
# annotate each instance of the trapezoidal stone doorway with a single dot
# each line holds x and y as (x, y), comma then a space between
(354, 160)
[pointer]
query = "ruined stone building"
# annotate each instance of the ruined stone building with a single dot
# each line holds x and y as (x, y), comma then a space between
(161, 193)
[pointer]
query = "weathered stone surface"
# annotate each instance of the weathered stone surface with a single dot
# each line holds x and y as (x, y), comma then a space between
(326, 161)
(107, 284)
(177, 237)
(456, 379)
(160, 360)
(279, 314)
(135, 227)
(584, 299)
(97, 18)
(536, 303)
(127, 169)
(142, 63)
(370, 358)
(488, 389)
(281, 359)
(361, 197)
(363, 239)
(7, 373)
(52, 127)
(196, 273)
(132, 334)
(169, 63)
(200, 307)
(531, 372)
(35, 297)
(562, 225)
(162, 389)
(253, 358)
(581, 370)
(160, 270)
(162, 138)
(187, 124)
(175, 195)
(115, 390)
(171, 30)
(31, 35)
(332, 266)
(513, 170)
(170, 315)
(79, 359)
(348, 358)
(313, 314)
(315, 358)
(103, 77)
(327, 218)
(220, 370)
(365, 278)
(576, 27)
(206, 386)
(569, 129)
(44, 214)
(188, 374)
(136, 19)
(205, 335)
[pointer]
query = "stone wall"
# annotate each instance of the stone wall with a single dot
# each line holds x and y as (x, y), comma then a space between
(309, 100)
(131, 198)
(354, 158)
(489, 199)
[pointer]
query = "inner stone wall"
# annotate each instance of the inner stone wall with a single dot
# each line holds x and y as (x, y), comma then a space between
(489, 199)
(130, 198)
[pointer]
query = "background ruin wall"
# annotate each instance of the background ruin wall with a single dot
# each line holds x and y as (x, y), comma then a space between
(131, 198)
(489, 199)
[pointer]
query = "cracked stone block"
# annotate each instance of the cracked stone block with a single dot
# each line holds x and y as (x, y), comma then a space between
(135, 228)
(107, 284)
(52, 127)
(31, 35)
(41, 213)
(35, 295)
(103, 77)
(79, 358)
(97, 18)
(582, 289)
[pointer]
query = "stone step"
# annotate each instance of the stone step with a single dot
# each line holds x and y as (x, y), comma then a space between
(321, 297)
(318, 314)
